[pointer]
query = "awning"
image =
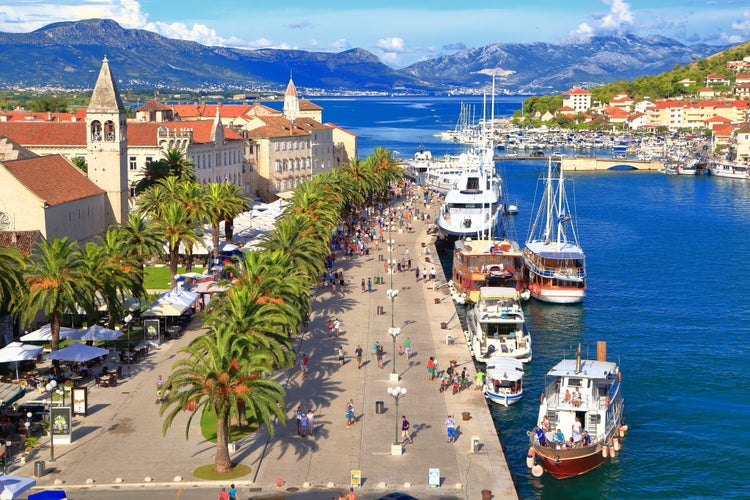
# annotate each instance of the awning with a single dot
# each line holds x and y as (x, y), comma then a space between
(77, 353)
(44, 334)
(162, 307)
(9, 394)
(13, 486)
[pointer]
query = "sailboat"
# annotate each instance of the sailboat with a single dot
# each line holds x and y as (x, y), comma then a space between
(554, 263)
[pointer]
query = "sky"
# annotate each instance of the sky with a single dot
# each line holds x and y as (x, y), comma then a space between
(399, 32)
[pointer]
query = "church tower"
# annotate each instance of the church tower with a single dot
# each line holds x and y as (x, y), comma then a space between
(291, 102)
(107, 144)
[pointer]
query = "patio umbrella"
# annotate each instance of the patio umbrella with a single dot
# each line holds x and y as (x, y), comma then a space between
(12, 486)
(77, 353)
(48, 495)
(162, 307)
(133, 304)
(44, 334)
(98, 332)
(16, 351)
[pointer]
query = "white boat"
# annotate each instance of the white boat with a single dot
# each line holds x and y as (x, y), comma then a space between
(497, 326)
(580, 395)
(554, 263)
(419, 164)
(472, 206)
(445, 172)
(729, 169)
(503, 383)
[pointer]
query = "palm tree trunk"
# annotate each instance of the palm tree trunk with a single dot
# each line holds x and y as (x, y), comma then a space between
(215, 239)
(222, 462)
(228, 228)
(54, 326)
(173, 260)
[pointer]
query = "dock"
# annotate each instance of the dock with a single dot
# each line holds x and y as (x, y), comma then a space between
(119, 448)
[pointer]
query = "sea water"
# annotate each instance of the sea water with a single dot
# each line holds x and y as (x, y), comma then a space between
(668, 263)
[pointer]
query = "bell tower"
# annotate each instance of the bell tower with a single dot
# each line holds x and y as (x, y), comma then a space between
(107, 144)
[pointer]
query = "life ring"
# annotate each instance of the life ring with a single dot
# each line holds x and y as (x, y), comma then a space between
(606, 401)
(279, 482)
(619, 376)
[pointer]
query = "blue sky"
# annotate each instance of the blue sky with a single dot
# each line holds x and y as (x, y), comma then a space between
(399, 32)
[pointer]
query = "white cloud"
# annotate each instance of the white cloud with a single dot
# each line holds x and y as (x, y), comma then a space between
(341, 44)
(618, 20)
(391, 45)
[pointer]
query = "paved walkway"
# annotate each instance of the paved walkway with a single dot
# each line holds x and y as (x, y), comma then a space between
(121, 439)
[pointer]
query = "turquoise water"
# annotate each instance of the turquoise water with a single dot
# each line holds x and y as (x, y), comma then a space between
(668, 261)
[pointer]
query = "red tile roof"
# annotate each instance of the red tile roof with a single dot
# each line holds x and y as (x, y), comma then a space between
(45, 133)
(576, 90)
(201, 110)
(154, 105)
(145, 133)
(305, 105)
(53, 179)
(23, 241)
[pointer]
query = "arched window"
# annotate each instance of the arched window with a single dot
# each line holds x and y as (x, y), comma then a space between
(96, 131)
(109, 131)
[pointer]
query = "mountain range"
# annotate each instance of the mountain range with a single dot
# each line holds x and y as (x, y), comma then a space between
(69, 54)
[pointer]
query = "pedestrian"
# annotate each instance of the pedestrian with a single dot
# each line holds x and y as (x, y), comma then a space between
(407, 347)
(232, 492)
(351, 495)
(330, 327)
(363, 285)
(432, 274)
(336, 327)
(310, 420)
(303, 365)
(431, 368)
(405, 426)
(369, 284)
(349, 413)
(303, 424)
(450, 427)
(479, 380)
(416, 273)
(424, 273)
(223, 495)
(358, 353)
(379, 355)
(341, 356)
(298, 417)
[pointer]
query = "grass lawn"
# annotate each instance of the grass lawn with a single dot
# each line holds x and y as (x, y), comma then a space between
(208, 428)
(207, 472)
(157, 278)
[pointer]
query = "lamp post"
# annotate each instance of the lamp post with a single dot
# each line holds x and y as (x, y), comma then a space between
(392, 293)
(50, 387)
(127, 319)
(397, 393)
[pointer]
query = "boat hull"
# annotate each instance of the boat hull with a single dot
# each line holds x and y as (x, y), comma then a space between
(557, 295)
(503, 399)
(562, 464)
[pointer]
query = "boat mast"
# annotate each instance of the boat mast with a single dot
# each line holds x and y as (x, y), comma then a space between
(549, 203)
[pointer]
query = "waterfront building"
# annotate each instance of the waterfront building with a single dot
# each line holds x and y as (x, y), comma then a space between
(578, 99)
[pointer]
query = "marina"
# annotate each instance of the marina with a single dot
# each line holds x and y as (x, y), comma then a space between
(645, 221)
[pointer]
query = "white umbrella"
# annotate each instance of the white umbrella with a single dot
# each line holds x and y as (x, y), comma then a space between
(44, 334)
(162, 307)
(180, 297)
(16, 351)
(12, 486)
(77, 353)
(98, 332)
(133, 304)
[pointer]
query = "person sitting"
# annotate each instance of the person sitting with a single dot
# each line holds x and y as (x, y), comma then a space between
(558, 437)
(586, 438)
(567, 396)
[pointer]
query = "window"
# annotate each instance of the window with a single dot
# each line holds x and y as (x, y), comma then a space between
(133, 163)
(278, 165)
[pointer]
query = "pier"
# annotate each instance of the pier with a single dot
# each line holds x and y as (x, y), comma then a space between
(590, 163)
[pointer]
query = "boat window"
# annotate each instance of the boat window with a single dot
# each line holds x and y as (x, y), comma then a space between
(594, 418)
(575, 382)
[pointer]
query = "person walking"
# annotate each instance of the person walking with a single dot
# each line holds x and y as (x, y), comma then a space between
(424, 273)
(342, 361)
(379, 355)
(349, 413)
(432, 274)
(479, 380)
(363, 285)
(416, 273)
(405, 434)
(310, 422)
(223, 494)
(303, 365)
(407, 347)
(232, 492)
(298, 417)
(450, 427)
(336, 327)
(369, 284)
(358, 353)
(303, 424)
(431, 368)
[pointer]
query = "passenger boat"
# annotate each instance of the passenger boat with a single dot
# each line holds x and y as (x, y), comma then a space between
(554, 263)
(729, 169)
(472, 207)
(503, 383)
(580, 395)
(443, 174)
(497, 326)
(419, 164)
(485, 263)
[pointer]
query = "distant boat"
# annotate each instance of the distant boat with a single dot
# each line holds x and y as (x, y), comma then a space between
(485, 263)
(554, 263)
(728, 169)
(472, 207)
(580, 395)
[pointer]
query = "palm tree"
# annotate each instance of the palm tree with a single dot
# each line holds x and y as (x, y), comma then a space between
(223, 374)
(55, 284)
(80, 162)
(151, 174)
(179, 165)
(222, 200)
(141, 240)
(12, 285)
(303, 241)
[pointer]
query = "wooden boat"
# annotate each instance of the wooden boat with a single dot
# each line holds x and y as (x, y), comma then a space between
(580, 395)
(497, 326)
(554, 263)
(503, 383)
(482, 262)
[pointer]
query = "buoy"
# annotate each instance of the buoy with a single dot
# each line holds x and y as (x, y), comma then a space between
(537, 470)
(619, 376)
(279, 482)
(616, 444)
(530, 457)
(623, 429)
(612, 451)
(604, 451)
(606, 401)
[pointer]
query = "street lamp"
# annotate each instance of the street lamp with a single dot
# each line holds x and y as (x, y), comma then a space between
(392, 293)
(127, 319)
(397, 393)
(50, 387)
